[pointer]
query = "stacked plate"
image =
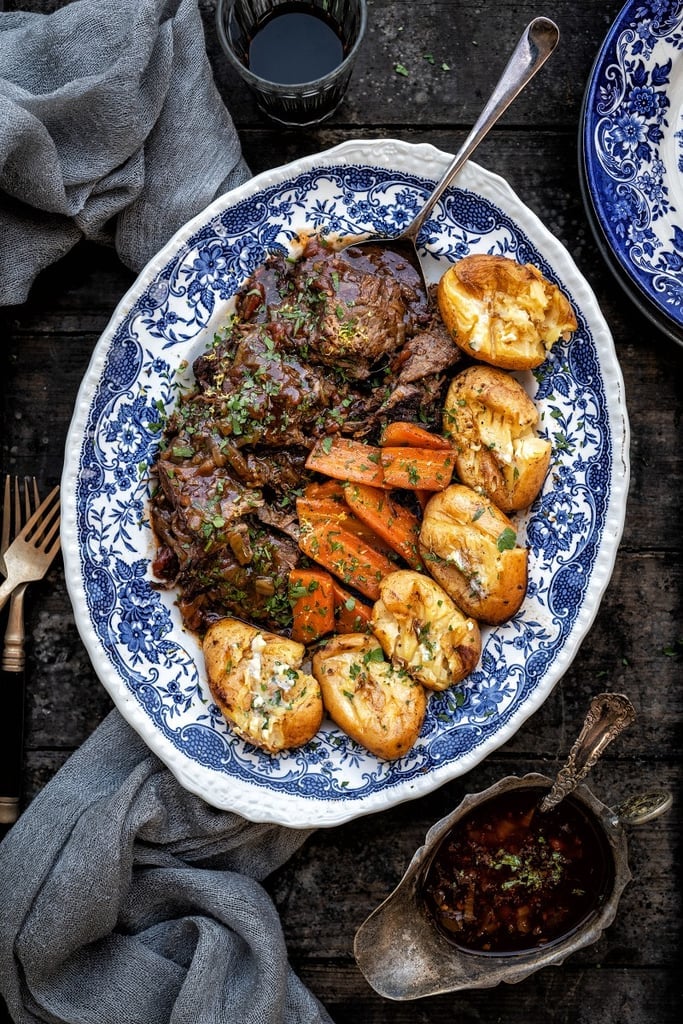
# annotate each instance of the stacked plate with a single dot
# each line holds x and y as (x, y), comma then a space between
(632, 157)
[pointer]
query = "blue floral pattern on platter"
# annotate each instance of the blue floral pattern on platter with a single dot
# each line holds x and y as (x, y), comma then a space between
(633, 149)
(151, 666)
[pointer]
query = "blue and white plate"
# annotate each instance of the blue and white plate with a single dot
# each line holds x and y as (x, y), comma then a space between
(632, 155)
(151, 666)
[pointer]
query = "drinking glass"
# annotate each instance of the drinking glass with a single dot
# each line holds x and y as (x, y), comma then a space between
(301, 102)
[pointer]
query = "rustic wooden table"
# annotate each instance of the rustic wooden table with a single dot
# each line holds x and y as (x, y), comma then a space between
(632, 974)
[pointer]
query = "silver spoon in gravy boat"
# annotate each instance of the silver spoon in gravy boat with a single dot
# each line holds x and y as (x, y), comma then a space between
(608, 715)
(536, 44)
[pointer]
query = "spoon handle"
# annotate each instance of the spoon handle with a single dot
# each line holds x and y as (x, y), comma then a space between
(608, 714)
(533, 49)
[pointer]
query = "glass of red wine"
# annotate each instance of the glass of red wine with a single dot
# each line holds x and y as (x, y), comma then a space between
(296, 56)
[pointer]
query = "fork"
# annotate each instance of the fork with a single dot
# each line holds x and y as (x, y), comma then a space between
(30, 554)
(13, 650)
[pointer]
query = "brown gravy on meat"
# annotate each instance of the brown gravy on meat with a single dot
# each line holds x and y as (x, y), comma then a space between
(330, 343)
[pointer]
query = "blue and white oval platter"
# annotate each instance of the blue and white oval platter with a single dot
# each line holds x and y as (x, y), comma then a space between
(152, 666)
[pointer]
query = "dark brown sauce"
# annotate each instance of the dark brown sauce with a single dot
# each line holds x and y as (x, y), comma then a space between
(295, 44)
(508, 878)
(279, 375)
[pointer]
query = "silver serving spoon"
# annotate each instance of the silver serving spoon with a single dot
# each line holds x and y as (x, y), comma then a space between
(608, 714)
(537, 42)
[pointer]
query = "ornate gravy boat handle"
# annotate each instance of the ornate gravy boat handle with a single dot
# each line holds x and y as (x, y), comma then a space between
(608, 714)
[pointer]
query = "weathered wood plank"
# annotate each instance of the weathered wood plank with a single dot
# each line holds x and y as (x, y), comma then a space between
(473, 39)
(572, 995)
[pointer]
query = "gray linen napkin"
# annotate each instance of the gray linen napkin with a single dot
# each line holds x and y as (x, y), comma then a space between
(124, 899)
(111, 129)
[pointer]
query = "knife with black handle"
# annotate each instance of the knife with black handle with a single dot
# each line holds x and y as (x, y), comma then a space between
(12, 704)
(12, 746)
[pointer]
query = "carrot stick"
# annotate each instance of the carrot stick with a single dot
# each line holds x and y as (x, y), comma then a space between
(322, 507)
(417, 469)
(396, 525)
(349, 558)
(318, 513)
(345, 459)
(311, 596)
(403, 433)
(350, 614)
(422, 498)
(330, 490)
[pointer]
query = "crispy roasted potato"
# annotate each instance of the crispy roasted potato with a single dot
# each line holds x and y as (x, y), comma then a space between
(255, 679)
(470, 547)
(492, 423)
(502, 312)
(422, 631)
(379, 706)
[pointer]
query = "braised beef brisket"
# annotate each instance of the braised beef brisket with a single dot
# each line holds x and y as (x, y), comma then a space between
(330, 343)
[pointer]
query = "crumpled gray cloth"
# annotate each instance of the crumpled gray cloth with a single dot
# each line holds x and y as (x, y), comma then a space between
(111, 129)
(124, 899)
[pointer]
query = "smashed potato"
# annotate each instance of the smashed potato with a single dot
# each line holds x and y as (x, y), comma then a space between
(255, 679)
(470, 547)
(502, 312)
(422, 631)
(380, 707)
(492, 423)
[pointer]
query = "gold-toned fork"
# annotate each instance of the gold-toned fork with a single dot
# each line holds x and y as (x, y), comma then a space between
(30, 554)
(13, 516)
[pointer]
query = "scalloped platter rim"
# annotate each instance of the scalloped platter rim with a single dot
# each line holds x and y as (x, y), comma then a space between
(151, 666)
(632, 154)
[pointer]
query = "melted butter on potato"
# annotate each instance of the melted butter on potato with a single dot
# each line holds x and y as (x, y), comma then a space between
(382, 708)
(256, 680)
(421, 630)
(502, 312)
(492, 423)
(469, 547)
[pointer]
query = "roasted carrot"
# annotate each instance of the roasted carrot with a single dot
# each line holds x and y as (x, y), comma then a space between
(311, 596)
(422, 498)
(396, 525)
(403, 433)
(327, 496)
(319, 512)
(349, 558)
(322, 507)
(330, 490)
(416, 469)
(351, 615)
(345, 459)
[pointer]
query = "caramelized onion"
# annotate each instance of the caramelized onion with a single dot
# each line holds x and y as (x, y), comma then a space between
(238, 539)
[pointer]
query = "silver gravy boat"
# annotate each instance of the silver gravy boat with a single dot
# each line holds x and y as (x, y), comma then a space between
(404, 956)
